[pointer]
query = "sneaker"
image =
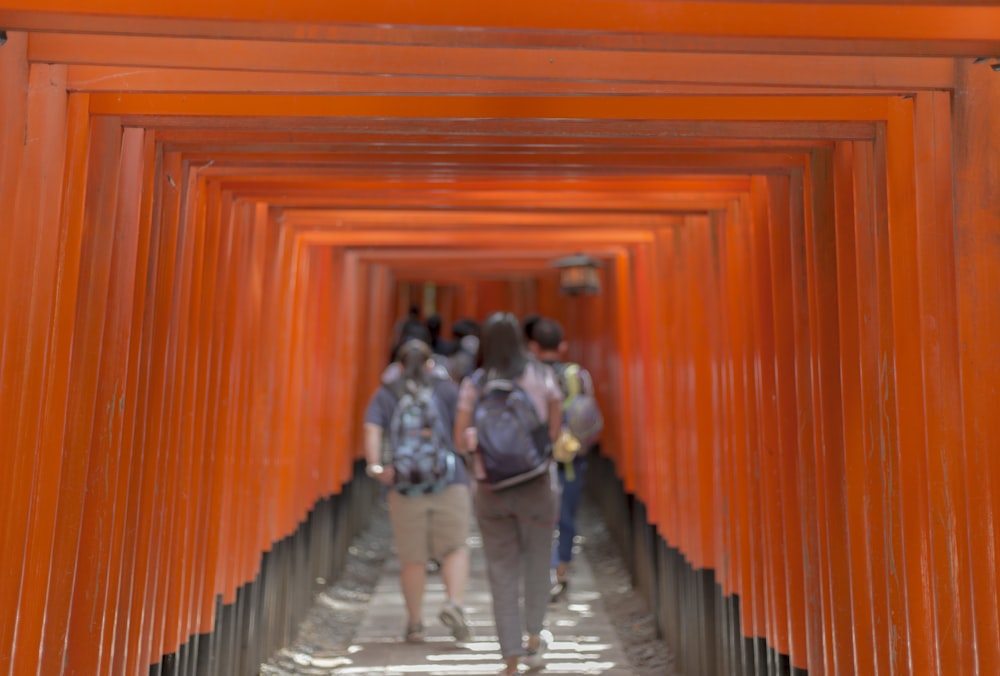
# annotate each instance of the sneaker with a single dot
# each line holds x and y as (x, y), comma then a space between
(535, 658)
(453, 617)
(558, 590)
(414, 633)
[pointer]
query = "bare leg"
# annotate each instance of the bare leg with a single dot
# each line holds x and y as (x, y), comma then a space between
(455, 574)
(413, 577)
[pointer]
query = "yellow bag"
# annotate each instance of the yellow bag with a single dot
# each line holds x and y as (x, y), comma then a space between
(565, 447)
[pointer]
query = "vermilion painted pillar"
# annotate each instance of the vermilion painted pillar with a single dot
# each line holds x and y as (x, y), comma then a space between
(829, 618)
(32, 276)
(977, 251)
(14, 263)
(86, 497)
(949, 594)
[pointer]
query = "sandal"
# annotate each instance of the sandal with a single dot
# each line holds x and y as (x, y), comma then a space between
(414, 633)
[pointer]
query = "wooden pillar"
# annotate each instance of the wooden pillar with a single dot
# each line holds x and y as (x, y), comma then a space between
(30, 290)
(977, 252)
(14, 263)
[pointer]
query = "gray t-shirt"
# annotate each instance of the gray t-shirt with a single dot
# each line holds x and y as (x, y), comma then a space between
(383, 403)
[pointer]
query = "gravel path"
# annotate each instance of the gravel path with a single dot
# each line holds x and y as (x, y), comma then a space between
(325, 635)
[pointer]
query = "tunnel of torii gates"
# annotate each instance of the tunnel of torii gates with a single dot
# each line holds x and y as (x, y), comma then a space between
(213, 212)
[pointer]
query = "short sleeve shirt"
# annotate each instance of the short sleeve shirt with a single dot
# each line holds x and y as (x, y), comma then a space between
(538, 381)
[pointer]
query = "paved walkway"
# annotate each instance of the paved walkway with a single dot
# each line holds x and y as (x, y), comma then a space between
(585, 642)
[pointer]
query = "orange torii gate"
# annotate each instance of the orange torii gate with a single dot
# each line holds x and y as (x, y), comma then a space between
(211, 209)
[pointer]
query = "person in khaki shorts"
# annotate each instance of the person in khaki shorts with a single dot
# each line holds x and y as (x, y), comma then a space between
(430, 519)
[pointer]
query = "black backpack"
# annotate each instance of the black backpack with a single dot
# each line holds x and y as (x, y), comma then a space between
(417, 443)
(513, 443)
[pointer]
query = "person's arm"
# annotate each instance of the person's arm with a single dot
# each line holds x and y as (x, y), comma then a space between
(448, 398)
(586, 382)
(373, 456)
(553, 402)
(555, 418)
(463, 419)
(464, 444)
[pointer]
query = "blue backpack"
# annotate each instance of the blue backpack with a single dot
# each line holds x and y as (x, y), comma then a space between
(513, 444)
(417, 443)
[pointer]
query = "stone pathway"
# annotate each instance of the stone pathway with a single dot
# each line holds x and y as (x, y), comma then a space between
(357, 625)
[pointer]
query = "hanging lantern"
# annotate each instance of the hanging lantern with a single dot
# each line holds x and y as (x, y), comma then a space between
(578, 275)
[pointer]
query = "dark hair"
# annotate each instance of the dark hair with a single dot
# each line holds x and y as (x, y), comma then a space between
(528, 324)
(408, 329)
(464, 327)
(501, 346)
(413, 355)
(434, 325)
(547, 333)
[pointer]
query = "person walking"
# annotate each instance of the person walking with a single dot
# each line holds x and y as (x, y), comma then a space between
(507, 416)
(408, 448)
(549, 347)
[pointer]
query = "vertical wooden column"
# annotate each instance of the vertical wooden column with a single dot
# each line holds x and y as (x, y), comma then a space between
(147, 497)
(330, 280)
(870, 499)
(907, 521)
(702, 235)
(940, 369)
(31, 279)
(767, 442)
(655, 396)
(640, 327)
(783, 219)
(834, 288)
(729, 346)
(624, 306)
(86, 502)
(745, 498)
(857, 571)
(822, 475)
(977, 250)
(665, 317)
(346, 366)
(15, 263)
(139, 466)
(231, 304)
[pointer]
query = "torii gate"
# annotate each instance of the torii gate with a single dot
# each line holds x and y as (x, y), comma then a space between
(212, 210)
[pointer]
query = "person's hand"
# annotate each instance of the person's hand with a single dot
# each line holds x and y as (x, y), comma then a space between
(388, 477)
(384, 474)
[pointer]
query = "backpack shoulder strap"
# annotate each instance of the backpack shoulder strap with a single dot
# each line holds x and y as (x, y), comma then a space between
(397, 387)
(479, 379)
(401, 386)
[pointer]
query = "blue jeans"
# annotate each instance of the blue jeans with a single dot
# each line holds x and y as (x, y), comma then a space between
(572, 491)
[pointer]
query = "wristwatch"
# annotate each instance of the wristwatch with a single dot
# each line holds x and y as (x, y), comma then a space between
(374, 470)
